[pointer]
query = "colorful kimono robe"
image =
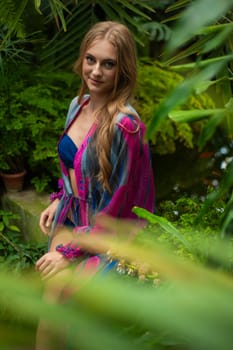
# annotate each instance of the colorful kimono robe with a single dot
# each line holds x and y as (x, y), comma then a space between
(131, 181)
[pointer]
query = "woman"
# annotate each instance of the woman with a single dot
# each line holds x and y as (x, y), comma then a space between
(105, 161)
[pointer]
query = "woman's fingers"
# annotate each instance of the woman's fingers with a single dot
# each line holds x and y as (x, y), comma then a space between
(46, 217)
(51, 263)
(44, 223)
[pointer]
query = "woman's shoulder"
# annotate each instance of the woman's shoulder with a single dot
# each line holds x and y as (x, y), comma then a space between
(74, 107)
(75, 101)
(129, 122)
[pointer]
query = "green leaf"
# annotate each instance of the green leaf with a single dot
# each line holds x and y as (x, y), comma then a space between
(37, 6)
(228, 216)
(197, 15)
(201, 63)
(209, 129)
(218, 39)
(1, 226)
(225, 185)
(181, 93)
(14, 228)
(161, 221)
(229, 117)
(194, 115)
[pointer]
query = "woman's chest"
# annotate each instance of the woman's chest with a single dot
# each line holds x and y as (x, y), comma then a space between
(81, 127)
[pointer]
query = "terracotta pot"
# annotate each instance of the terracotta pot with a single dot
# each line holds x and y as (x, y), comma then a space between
(13, 182)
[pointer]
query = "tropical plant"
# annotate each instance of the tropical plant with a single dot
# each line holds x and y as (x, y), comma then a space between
(13, 126)
(189, 308)
(39, 103)
(45, 102)
(155, 81)
(208, 39)
(78, 17)
(210, 68)
(13, 51)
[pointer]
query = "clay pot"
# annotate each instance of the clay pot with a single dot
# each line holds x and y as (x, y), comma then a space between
(13, 182)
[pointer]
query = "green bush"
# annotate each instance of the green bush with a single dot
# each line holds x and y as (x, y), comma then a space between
(46, 104)
(176, 226)
(32, 117)
(155, 82)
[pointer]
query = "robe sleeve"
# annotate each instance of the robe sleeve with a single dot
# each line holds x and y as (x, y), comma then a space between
(132, 179)
(59, 193)
(132, 175)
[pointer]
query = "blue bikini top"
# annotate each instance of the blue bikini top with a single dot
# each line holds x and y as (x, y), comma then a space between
(67, 150)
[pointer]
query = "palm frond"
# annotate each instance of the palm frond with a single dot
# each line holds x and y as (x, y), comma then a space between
(63, 47)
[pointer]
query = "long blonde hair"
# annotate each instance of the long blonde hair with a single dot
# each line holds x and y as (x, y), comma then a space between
(125, 79)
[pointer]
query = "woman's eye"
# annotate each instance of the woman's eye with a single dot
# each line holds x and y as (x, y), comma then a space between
(109, 64)
(90, 60)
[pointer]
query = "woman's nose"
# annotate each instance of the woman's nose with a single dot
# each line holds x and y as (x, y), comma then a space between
(97, 69)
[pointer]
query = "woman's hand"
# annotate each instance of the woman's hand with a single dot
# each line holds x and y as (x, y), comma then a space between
(47, 216)
(50, 264)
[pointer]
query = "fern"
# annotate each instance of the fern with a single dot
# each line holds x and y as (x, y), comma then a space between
(157, 31)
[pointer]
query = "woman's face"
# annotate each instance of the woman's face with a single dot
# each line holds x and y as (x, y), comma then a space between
(99, 67)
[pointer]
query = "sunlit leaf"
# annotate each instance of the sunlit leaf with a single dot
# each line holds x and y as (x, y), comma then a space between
(194, 115)
(218, 39)
(14, 228)
(161, 221)
(181, 93)
(197, 15)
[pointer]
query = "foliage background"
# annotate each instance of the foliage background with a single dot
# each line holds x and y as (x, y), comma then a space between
(173, 285)
(39, 45)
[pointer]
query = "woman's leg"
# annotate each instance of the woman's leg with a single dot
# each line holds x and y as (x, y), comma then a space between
(46, 336)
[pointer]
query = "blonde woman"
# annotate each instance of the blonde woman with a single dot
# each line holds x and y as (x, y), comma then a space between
(105, 161)
(104, 158)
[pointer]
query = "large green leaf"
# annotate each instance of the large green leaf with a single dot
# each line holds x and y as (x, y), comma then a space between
(163, 222)
(198, 14)
(194, 115)
(182, 92)
(193, 306)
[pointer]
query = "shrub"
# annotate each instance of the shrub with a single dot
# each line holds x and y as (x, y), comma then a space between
(155, 81)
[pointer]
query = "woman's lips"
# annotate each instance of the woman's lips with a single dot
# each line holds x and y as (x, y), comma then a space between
(94, 81)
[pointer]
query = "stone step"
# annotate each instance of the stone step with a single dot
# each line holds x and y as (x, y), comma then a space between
(28, 205)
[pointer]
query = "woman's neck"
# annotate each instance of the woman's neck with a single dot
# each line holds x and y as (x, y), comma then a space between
(95, 104)
(92, 107)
